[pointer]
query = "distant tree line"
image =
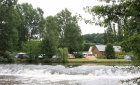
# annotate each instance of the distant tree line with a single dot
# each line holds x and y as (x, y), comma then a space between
(93, 39)
(97, 38)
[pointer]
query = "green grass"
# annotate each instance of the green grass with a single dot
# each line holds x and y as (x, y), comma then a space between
(82, 60)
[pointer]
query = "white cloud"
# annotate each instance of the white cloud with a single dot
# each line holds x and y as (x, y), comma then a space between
(52, 7)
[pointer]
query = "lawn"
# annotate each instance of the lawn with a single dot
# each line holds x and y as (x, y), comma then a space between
(82, 60)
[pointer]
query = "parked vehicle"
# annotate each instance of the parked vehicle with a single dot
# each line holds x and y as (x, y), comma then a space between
(128, 57)
(41, 56)
(71, 56)
(55, 56)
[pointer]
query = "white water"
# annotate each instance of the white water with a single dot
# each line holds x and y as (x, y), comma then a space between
(61, 75)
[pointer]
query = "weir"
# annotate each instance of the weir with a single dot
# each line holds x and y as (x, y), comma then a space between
(64, 75)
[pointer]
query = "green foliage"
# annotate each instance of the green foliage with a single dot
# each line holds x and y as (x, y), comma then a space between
(2, 60)
(87, 46)
(97, 38)
(78, 55)
(101, 57)
(70, 33)
(65, 55)
(6, 57)
(32, 23)
(131, 44)
(31, 48)
(120, 56)
(48, 48)
(109, 51)
(62, 54)
(46, 60)
(51, 38)
(14, 41)
(9, 20)
(109, 36)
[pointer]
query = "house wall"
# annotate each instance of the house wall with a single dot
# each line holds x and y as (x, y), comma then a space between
(96, 52)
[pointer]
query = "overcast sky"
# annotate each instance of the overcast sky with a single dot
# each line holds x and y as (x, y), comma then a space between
(52, 7)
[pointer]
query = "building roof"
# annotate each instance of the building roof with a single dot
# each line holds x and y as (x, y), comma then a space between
(102, 48)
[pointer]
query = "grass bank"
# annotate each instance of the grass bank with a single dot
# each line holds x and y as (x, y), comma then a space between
(82, 60)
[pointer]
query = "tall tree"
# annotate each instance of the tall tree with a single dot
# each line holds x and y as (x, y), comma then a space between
(9, 20)
(50, 42)
(32, 22)
(70, 33)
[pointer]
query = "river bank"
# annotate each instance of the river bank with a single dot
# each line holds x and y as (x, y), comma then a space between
(82, 60)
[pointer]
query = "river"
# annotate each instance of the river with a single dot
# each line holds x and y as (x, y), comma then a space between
(86, 74)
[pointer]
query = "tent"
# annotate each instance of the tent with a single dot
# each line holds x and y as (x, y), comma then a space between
(90, 58)
(21, 55)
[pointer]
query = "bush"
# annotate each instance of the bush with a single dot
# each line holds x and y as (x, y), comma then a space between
(62, 54)
(101, 57)
(109, 51)
(7, 57)
(120, 56)
(2, 60)
(31, 59)
(46, 60)
(78, 55)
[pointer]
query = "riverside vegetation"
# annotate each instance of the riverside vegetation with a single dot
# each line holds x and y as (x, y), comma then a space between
(24, 29)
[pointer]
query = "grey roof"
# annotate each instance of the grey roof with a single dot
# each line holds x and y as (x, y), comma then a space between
(102, 48)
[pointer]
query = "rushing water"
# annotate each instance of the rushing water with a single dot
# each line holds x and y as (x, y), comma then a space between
(18, 74)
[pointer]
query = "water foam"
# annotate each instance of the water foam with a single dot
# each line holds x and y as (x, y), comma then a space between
(80, 75)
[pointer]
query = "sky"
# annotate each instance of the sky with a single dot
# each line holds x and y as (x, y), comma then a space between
(52, 7)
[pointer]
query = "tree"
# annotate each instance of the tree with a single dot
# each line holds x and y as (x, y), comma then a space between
(70, 33)
(47, 48)
(50, 42)
(32, 22)
(31, 48)
(120, 33)
(87, 46)
(132, 45)
(109, 35)
(109, 51)
(9, 20)
(105, 37)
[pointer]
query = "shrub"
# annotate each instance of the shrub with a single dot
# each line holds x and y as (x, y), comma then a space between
(62, 54)
(101, 57)
(46, 60)
(7, 57)
(120, 56)
(78, 55)
(109, 51)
